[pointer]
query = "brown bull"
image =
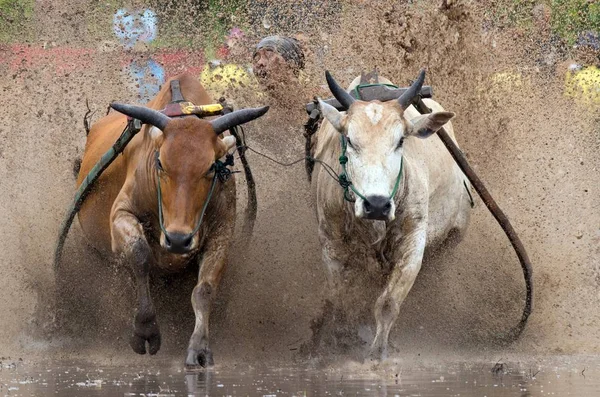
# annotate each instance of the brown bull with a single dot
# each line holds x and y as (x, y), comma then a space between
(160, 204)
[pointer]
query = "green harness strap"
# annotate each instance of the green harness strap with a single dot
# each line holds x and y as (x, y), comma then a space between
(356, 92)
(133, 127)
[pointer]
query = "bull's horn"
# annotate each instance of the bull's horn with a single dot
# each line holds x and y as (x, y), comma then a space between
(238, 117)
(146, 115)
(338, 92)
(409, 95)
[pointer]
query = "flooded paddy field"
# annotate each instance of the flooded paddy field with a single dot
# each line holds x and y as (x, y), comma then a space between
(557, 376)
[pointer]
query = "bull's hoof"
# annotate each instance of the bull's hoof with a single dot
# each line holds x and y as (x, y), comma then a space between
(377, 354)
(141, 335)
(199, 358)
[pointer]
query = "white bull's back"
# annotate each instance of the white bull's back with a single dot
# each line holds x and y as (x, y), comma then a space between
(449, 203)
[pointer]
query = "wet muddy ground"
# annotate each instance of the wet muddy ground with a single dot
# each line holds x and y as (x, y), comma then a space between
(544, 377)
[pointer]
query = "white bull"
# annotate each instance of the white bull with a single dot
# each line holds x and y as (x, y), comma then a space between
(409, 193)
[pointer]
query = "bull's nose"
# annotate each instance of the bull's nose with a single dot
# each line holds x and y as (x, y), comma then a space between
(178, 243)
(377, 207)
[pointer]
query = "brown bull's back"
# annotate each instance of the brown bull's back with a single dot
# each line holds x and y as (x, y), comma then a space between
(94, 216)
(191, 89)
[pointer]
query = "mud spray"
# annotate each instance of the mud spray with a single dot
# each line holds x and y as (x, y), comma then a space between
(537, 151)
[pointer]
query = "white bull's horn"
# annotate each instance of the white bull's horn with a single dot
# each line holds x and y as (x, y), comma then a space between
(409, 95)
(338, 92)
(238, 117)
(144, 114)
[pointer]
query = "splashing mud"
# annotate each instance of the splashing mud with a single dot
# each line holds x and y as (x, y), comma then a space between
(536, 149)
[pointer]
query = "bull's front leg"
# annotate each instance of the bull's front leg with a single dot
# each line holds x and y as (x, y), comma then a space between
(129, 242)
(400, 282)
(212, 264)
(334, 260)
(328, 328)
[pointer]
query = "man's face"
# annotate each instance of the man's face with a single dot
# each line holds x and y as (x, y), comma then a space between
(270, 67)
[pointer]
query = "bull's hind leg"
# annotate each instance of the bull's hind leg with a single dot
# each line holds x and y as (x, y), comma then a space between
(212, 265)
(399, 284)
(129, 241)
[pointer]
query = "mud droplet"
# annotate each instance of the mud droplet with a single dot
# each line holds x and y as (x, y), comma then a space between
(266, 23)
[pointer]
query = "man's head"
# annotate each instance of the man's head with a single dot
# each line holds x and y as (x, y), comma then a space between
(277, 58)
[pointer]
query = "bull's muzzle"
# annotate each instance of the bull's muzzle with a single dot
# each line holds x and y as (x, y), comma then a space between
(377, 208)
(179, 243)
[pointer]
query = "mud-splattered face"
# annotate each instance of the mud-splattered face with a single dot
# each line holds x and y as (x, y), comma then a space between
(187, 150)
(374, 137)
(374, 133)
(270, 67)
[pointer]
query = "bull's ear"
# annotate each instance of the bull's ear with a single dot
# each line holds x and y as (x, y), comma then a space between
(156, 134)
(224, 145)
(334, 116)
(229, 142)
(424, 126)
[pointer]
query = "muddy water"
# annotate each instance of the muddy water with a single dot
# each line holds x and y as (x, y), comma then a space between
(560, 377)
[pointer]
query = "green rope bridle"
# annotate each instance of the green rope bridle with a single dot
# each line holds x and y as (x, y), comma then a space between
(344, 178)
(346, 183)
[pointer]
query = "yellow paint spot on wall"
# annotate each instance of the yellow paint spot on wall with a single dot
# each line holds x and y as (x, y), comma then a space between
(583, 85)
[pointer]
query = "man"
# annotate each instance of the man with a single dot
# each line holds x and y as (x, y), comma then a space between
(277, 60)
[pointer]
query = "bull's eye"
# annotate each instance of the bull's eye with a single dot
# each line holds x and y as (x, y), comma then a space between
(159, 164)
(349, 142)
(400, 143)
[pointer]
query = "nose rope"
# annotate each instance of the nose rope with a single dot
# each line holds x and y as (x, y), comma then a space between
(222, 173)
(346, 183)
(330, 170)
(342, 179)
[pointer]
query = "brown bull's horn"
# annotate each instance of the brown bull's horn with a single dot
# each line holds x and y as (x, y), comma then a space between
(409, 95)
(146, 115)
(238, 117)
(338, 92)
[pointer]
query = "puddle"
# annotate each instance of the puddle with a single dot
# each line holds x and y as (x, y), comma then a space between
(459, 379)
